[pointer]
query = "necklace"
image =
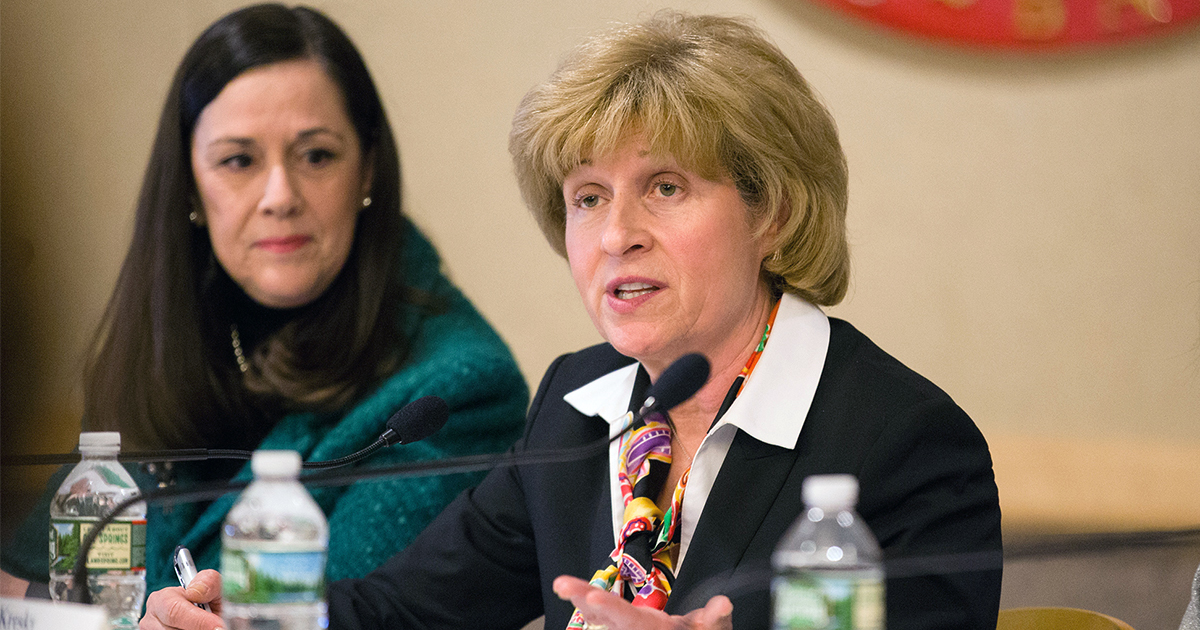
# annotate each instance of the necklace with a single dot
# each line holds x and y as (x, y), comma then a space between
(237, 348)
(738, 383)
(685, 450)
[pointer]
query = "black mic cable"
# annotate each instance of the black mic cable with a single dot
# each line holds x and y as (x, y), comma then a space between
(411, 423)
(423, 417)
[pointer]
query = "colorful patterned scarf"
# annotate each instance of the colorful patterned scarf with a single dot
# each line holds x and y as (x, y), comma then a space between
(647, 540)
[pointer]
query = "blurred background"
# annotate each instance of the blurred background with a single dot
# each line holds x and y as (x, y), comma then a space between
(1025, 231)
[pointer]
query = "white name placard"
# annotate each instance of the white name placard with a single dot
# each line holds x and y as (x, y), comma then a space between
(41, 614)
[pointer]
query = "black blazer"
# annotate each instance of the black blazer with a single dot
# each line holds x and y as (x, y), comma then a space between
(926, 491)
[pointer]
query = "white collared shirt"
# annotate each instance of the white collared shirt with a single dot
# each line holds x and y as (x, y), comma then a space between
(771, 408)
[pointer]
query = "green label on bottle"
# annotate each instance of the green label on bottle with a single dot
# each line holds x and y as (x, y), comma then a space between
(120, 546)
(803, 601)
(284, 577)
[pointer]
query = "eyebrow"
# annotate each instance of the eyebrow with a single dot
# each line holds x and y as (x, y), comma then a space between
(642, 153)
(316, 131)
(303, 135)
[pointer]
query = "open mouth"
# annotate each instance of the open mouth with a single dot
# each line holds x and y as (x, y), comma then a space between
(631, 290)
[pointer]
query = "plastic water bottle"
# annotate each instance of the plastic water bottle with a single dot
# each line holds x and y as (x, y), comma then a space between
(828, 568)
(273, 551)
(116, 562)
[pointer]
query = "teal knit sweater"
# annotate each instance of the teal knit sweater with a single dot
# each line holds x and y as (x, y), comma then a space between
(455, 355)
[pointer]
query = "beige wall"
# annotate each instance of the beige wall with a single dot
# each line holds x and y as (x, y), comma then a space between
(1026, 230)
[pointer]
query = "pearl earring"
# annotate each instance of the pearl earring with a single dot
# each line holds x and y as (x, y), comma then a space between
(366, 202)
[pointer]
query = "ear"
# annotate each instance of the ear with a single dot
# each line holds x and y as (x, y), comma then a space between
(368, 173)
(768, 242)
(196, 213)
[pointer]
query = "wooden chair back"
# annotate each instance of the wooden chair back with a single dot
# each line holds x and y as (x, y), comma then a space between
(1057, 619)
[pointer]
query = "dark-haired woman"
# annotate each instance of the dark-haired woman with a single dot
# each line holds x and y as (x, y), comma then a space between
(274, 296)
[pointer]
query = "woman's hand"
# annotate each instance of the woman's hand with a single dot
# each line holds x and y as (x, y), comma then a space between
(604, 609)
(175, 608)
(12, 586)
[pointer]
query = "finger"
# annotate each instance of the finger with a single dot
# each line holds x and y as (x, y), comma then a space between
(600, 607)
(169, 609)
(578, 593)
(590, 601)
(150, 623)
(717, 614)
(568, 587)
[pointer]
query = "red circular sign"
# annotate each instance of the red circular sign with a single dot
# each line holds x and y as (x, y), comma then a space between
(1028, 24)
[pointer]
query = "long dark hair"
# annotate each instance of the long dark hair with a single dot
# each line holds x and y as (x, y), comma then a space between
(162, 368)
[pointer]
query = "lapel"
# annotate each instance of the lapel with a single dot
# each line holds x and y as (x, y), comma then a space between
(744, 492)
(601, 534)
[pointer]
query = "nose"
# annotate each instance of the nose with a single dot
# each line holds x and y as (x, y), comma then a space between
(280, 196)
(625, 230)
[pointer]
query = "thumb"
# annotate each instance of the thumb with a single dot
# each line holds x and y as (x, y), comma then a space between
(204, 588)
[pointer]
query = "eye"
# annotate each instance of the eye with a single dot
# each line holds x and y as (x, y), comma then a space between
(237, 162)
(587, 201)
(317, 157)
(666, 189)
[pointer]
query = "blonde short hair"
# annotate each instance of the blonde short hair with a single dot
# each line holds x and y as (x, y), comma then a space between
(717, 95)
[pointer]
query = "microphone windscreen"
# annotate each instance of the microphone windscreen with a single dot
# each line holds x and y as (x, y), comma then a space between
(419, 419)
(680, 381)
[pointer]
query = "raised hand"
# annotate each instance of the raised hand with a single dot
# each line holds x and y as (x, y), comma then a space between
(603, 609)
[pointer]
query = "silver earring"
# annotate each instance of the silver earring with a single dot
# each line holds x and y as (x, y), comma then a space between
(366, 202)
(194, 217)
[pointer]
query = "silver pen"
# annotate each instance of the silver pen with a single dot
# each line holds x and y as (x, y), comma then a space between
(185, 569)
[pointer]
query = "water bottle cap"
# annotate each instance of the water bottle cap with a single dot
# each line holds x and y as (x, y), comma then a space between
(99, 439)
(275, 464)
(830, 491)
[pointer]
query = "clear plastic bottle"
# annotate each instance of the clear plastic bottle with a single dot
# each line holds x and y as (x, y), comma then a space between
(273, 551)
(828, 568)
(117, 560)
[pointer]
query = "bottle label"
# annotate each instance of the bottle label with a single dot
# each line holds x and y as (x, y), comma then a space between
(803, 601)
(120, 546)
(250, 576)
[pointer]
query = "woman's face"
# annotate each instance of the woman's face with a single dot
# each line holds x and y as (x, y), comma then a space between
(664, 259)
(281, 179)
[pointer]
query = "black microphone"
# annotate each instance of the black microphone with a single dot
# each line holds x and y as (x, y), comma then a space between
(414, 422)
(411, 423)
(679, 382)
